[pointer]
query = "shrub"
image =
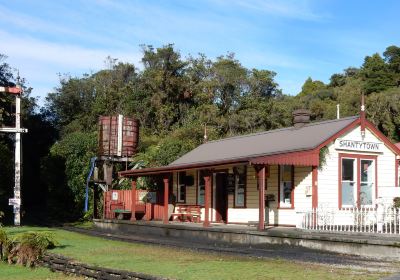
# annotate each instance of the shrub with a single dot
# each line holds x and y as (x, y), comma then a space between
(4, 244)
(1, 216)
(27, 248)
(396, 202)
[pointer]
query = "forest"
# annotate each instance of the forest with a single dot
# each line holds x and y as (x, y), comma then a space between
(174, 98)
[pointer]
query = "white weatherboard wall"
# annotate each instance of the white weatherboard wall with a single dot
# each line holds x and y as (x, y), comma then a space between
(328, 175)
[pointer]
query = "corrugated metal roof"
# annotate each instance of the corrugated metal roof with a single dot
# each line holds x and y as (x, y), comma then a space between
(265, 143)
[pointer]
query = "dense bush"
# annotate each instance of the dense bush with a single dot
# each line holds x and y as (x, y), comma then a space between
(25, 248)
(396, 202)
(4, 241)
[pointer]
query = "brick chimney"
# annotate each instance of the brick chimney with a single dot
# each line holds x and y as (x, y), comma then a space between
(301, 117)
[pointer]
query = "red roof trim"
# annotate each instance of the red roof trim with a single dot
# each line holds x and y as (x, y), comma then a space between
(382, 137)
(371, 127)
(301, 158)
(169, 169)
(339, 133)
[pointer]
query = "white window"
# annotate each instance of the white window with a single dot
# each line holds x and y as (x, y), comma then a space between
(286, 186)
(240, 186)
(181, 191)
(367, 184)
(348, 181)
(357, 189)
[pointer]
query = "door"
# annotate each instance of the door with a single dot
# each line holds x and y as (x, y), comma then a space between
(221, 197)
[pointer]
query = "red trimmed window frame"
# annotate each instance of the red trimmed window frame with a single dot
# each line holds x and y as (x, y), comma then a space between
(396, 171)
(279, 190)
(177, 188)
(358, 158)
(245, 191)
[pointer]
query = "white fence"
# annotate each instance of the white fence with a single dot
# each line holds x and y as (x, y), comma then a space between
(379, 219)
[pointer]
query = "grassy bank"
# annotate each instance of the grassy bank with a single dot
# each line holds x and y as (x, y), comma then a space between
(188, 264)
(17, 272)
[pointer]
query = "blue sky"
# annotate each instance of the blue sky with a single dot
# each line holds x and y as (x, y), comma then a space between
(296, 39)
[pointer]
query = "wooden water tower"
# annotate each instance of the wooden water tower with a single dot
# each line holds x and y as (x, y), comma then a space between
(118, 137)
(118, 142)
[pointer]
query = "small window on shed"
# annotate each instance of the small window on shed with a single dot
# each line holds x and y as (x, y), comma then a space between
(240, 186)
(181, 191)
(286, 186)
(201, 188)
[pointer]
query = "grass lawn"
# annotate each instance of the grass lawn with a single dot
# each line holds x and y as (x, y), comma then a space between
(17, 272)
(187, 264)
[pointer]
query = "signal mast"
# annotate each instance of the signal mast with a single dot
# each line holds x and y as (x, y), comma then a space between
(16, 200)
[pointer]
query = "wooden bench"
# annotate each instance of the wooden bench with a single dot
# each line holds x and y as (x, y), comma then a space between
(120, 212)
(191, 213)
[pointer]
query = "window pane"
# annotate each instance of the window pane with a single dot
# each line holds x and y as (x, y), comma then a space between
(201, 188)
(182, 176)
(287, 173)
(348, 193)
(286, 184)
(366, 171)
(287, 191)
(201, 195)
(240, 200)
(366, 194)
(181, 186)
(348, 169)
(240, 186)
(367, 182)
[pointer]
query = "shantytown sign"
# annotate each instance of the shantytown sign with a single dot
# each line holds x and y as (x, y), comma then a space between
(362, 146)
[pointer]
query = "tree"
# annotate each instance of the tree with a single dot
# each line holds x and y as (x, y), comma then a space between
(392, 58)
(383, 109)
(262, 83)
(165, 82)
(311, 87)
(227, 82)
(337, 80)
(375, 74)
(6, 78)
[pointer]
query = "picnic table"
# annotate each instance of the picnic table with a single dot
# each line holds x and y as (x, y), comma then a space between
(189, 213)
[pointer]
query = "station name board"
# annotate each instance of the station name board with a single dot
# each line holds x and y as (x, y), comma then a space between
(355, 145)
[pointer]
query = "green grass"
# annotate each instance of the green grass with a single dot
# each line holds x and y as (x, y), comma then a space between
(84, 225)
(17, 272)
(187, 264)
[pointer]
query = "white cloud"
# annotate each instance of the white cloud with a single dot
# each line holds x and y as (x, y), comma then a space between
(66, 55)
(40, 61)
(297, 9)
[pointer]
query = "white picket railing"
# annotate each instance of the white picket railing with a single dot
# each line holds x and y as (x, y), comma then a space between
(379, 219)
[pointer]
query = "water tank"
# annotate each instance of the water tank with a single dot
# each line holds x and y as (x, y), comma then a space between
(118, 136)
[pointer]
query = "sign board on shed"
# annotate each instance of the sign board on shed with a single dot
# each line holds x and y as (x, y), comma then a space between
(114, 196)
(356, 145)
